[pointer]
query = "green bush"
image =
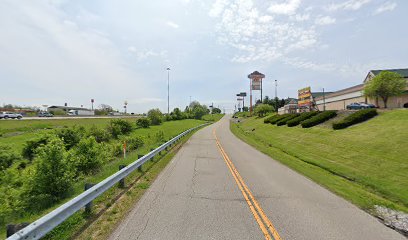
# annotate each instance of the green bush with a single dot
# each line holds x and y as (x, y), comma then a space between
(270, 118)
(100, 134)
(70, 136)
(143, 122)
(317, 119)
(133, 142)
(30, 146)
(51, 179)
(262, 109)
(286, 119)
(357, 117)
(118, 127)
(303, 116)
(278, 118)
(87, 156)
(7, 157)
(155, 116)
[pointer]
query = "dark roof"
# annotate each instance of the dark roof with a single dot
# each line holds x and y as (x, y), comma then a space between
(256, 73)
(69, 108)
(403, 71)
(319, 94)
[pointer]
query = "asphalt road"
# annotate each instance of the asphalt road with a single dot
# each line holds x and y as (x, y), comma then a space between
(218, 187)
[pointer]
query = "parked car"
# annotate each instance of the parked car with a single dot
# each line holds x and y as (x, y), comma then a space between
(357, 106)
(13, 115)
(45, 114)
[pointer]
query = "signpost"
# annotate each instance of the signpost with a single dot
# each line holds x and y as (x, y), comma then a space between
(255, 83)
(242, 96)
(305, 98)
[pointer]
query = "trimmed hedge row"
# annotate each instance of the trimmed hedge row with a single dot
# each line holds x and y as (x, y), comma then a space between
(286, 119)
(355, 118)
(303, 116)
(269, 119)
(319, 118)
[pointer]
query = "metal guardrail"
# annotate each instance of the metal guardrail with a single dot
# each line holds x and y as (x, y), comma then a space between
(51, 220)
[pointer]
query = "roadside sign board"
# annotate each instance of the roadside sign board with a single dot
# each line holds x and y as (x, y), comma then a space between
(305, 97)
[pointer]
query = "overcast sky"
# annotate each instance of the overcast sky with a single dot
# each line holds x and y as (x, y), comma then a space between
(52, 52)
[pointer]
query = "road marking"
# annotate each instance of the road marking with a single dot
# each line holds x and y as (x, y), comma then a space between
(251, 201)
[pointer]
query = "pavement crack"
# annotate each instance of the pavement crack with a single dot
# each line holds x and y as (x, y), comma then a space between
(193, 180)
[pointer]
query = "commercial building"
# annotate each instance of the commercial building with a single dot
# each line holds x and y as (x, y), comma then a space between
(340, 99)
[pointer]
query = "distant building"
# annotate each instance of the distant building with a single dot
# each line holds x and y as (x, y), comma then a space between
(340, 99)
(290, 106)
(64, 108)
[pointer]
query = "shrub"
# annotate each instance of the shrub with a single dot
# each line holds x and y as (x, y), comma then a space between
(159, 136)
(262, 109)
(86, 157)
(70, 136)
(355, 118)
(118, 127)
(303, 116)
(319, 118)
(155, 116)
(278, 118)
(30, 146)
(100, 134)
(271, 118)
(52, 178)
(143, 122)
(133, 142)
(7, 157)
(283, 121)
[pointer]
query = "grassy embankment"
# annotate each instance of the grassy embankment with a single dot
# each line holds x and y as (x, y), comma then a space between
(212, 117)
(366, 163)
(17, 132)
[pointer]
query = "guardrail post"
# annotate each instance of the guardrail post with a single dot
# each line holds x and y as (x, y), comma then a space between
(13, 228)
(140, 167)
(122, 181)
(88, 206)
(151, 149)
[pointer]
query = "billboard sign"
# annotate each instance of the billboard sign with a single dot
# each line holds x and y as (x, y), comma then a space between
(304, 97)
(256, 84)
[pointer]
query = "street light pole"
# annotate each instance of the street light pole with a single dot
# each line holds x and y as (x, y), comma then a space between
(276, 95)
(168, 90)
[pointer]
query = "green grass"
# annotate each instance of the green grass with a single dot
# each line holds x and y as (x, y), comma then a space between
(169, 130)
(366, 164)
(17, 132)
(212, 117)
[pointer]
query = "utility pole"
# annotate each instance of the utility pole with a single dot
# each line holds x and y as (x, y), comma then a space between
(276, 95)
(168, 90)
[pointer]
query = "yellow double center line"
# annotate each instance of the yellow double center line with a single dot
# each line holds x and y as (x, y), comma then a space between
(263, 221)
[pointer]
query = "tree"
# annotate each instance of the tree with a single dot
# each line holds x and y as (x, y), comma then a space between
(143, 122)
(177, 114)
(155, 116)
(384, 85)
(52, 178)
(245, 109)
(216, 111)
(262, 109)
(199, 111)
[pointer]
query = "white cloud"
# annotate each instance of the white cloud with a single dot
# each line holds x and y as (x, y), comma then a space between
(172, 24)
(259, 36)
(144, 54)
(348, 5)
(301, 17)
(387, 6)
(326, 20)
(286, 8)
(218, 7)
